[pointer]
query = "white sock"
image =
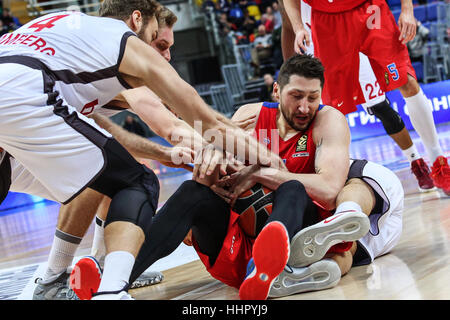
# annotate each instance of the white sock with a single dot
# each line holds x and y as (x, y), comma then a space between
(348, 205)
(61, 254)
(411, 153)
(118, 267)
(421, 116)
(98, 250)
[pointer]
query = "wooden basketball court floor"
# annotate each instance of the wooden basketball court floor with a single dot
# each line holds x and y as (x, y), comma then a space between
(417, 268)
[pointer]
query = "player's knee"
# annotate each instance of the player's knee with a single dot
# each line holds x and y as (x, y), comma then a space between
(134, 205)
(292, 185)
(391, 120)
(292, 188)
(192, 187)
(410, 88)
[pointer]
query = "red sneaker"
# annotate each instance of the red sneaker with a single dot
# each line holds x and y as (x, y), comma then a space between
(270, 255)
(422, 173)
(440, 173)
(85, 277)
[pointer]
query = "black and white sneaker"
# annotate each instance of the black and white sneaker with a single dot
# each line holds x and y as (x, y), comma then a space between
(312, 243)
(323, 274)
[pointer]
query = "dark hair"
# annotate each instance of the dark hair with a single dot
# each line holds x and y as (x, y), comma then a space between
(122, 10)
(303, 65)
(166, 18)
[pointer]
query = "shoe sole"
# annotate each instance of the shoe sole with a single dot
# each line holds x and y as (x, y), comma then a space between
(272, 239)
(427, 190)
(321, 275)
(85, 278)
(312, 243)
(147, 279)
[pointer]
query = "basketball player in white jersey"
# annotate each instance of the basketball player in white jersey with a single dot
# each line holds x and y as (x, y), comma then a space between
(70, 230)
(376, 102)
(63, 63)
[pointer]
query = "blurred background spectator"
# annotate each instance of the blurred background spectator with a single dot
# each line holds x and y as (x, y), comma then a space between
(267, 89)
(10, 23)
(416, 45)
(3, 29)
(262, 50)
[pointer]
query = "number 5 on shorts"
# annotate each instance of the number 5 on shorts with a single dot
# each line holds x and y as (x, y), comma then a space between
(393, 71)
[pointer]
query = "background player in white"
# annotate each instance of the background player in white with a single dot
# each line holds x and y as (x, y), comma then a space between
(40, 78)
(376, 102)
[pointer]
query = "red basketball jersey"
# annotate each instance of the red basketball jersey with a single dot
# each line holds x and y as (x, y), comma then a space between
(334, 5)
(298, 152)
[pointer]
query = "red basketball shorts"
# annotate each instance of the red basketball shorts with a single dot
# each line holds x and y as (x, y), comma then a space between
(339, 37)
(231, 264)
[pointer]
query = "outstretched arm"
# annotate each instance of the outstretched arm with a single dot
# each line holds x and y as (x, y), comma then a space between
(292, 9)
(141, 64)
(141, 147)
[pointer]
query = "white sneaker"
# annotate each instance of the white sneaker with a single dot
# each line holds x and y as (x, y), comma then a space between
(122, 295)
(312, 243)
(320, 275)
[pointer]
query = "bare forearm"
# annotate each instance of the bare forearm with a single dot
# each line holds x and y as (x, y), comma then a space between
(143, 62)
(293, 12)
(407, 5)
(136, 145)
(318, 186)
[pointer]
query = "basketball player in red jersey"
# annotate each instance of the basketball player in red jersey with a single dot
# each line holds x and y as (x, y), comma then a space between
(216, 235)
(314, 144)
(342, 29)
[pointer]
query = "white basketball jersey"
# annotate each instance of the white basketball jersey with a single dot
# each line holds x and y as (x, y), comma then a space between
(82, 54)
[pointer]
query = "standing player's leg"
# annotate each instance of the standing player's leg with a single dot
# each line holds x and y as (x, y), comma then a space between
(98, 249)
(393, 69)
(378, 105)
(55, 141)
(69, 232)
(421, 116)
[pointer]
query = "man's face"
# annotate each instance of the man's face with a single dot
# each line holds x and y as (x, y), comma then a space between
(149, 32)
(299, 101)
(164, 42)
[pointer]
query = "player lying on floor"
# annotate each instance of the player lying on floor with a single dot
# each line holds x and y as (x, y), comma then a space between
(314, 141)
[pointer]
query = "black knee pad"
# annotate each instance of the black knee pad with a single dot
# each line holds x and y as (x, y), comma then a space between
(294, 185)
(5, 177)
(136, 204)
(132, 205)
(391, 120)
(292, 189)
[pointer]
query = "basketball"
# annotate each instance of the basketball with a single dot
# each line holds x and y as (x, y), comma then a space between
(254, 206)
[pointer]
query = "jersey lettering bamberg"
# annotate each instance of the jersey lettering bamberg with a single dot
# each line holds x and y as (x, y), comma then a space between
(82, 52)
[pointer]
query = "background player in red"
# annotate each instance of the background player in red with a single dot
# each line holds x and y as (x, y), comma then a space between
(378, 105)
(342, 29)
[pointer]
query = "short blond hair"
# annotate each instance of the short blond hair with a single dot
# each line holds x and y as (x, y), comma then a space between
(166, 18)
(122, 10)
